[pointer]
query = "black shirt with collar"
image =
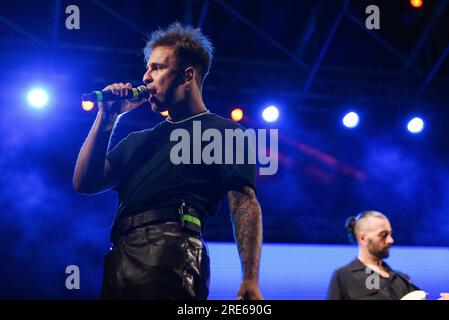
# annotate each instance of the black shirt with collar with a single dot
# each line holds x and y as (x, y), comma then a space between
(350, 283)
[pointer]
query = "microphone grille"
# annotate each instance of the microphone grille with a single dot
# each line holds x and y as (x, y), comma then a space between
(144, 92)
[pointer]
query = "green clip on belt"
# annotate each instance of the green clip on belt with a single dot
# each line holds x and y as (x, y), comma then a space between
(192, 219)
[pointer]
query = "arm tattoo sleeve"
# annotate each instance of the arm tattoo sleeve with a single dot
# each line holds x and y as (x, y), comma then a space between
(247, 221)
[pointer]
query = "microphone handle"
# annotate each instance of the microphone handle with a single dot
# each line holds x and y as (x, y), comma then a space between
(102, 96)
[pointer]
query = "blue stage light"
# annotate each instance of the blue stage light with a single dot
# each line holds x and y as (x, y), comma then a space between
(270, 114)
(37, 98)
(351, 120)
(416, 125)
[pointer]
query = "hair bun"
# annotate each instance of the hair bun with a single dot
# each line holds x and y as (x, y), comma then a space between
(350, 224)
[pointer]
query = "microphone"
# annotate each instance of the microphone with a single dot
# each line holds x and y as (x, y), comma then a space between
(102, 96)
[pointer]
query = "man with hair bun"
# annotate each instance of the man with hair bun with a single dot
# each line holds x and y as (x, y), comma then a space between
(368, 277)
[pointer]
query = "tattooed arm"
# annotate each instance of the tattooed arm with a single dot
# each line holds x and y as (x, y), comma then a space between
(247, 221)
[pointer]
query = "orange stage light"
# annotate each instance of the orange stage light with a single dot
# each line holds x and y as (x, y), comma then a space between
(416, 3)
(237, 114)
(87, 105)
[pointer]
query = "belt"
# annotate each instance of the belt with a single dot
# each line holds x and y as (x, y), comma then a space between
(188, 217)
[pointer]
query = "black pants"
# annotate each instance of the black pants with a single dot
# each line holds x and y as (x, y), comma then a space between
(161, 261)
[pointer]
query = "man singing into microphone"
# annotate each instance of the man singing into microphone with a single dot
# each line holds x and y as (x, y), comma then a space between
(158, 251)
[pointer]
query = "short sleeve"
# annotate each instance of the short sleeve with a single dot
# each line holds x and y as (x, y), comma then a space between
(137, 119)
(117, 134)
(236, 176)
(116, 155)
(239, 174)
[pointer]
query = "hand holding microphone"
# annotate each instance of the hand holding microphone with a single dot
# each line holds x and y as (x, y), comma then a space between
(114, 92)
(116, 99)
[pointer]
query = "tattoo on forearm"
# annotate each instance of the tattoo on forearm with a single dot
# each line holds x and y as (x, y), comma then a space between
(247, 221)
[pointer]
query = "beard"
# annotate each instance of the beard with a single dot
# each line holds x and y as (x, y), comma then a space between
(380, 253)
(383, 254)
(164, 100)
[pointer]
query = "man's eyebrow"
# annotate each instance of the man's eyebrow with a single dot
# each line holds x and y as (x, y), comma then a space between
(155, 64)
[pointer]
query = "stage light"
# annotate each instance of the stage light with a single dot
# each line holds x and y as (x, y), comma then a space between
(37, 98)
(416, 3)
(164, 113)
(270, 114)
(87, 105)
(237, 114)
(416, 125)
(351, 120)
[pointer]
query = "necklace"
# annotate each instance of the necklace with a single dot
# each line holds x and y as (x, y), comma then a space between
(186, 119)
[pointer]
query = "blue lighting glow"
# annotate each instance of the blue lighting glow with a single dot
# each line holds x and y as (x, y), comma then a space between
(37, 98)
(351, 120)
(416, 125)
(270, 114)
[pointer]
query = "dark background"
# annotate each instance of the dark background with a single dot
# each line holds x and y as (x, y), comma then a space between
(315, 60)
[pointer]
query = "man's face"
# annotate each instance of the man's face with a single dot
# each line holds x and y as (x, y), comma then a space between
(163, 76)
(379, 238)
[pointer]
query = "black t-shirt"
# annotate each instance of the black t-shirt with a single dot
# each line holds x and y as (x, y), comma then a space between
(149, 179)
(137, 119)
(390, 285)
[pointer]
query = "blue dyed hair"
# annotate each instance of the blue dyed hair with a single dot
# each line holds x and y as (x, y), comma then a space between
(191, 47)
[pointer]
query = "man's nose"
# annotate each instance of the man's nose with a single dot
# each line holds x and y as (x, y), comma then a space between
(147, 78)
(390, 240)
